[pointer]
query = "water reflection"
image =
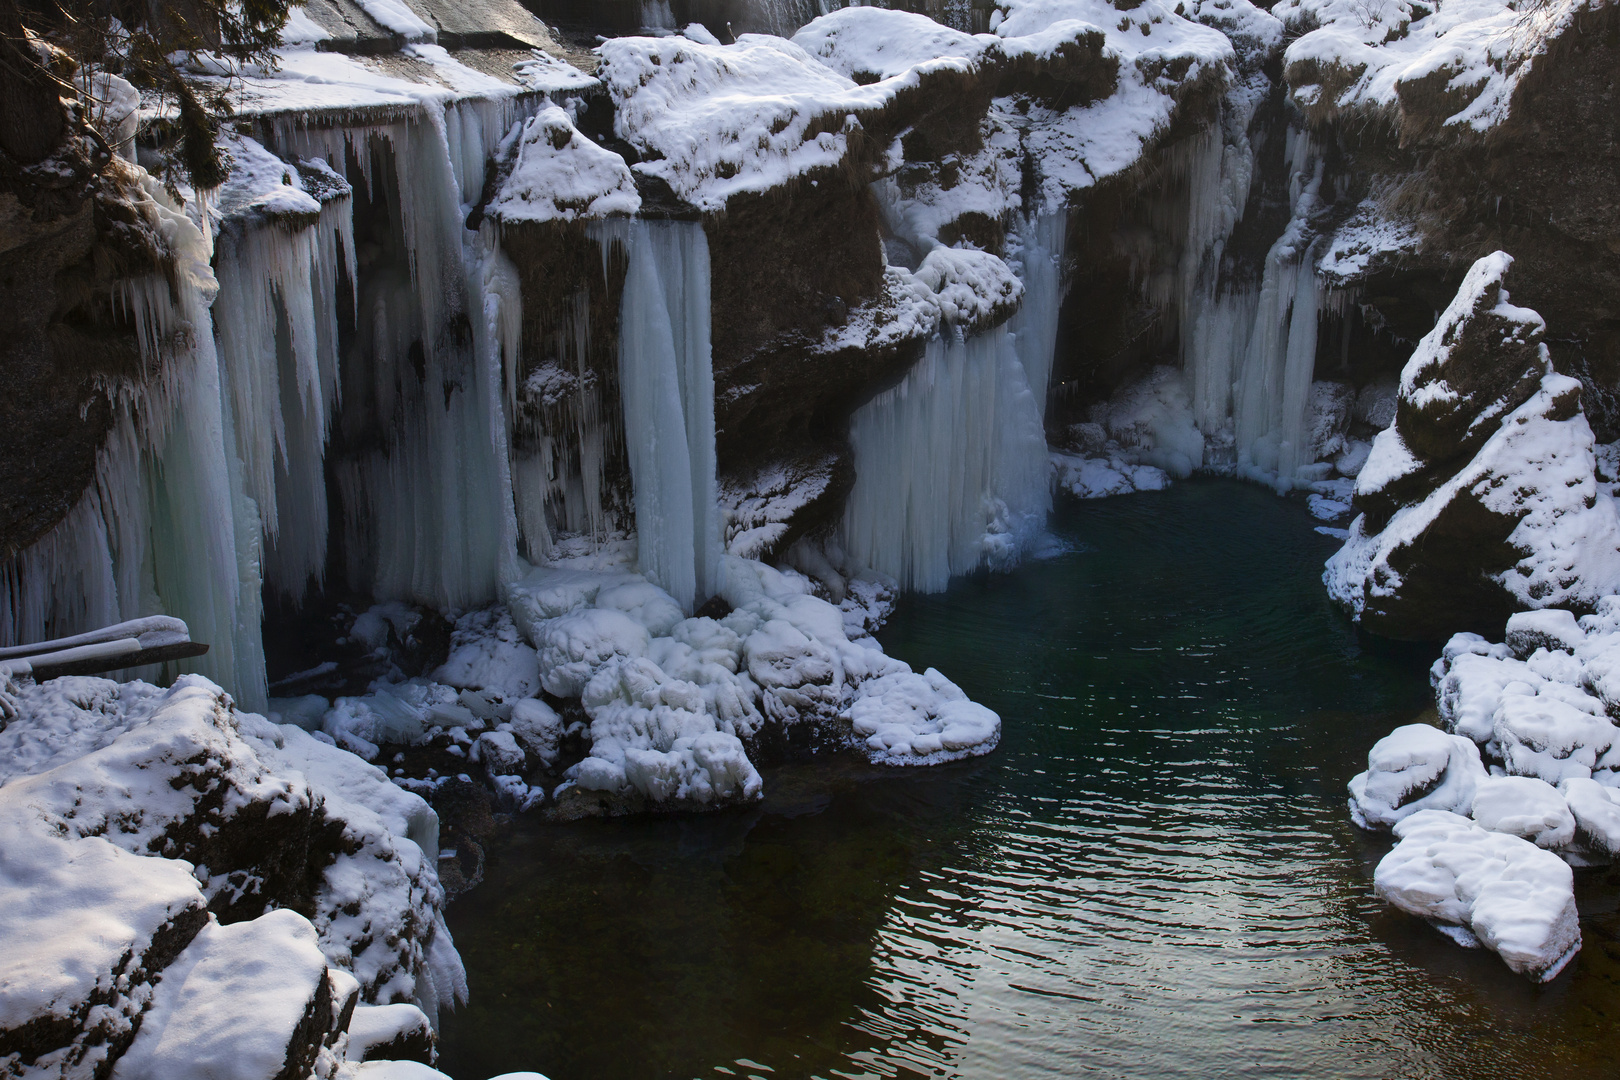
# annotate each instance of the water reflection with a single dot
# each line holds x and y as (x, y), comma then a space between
(1154, 876)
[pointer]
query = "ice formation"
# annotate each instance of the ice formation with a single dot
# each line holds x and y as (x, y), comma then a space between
(952, 466)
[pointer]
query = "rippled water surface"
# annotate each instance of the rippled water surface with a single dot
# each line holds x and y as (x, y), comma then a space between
(1153, 876)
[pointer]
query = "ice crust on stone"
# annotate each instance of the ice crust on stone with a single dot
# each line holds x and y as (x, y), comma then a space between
(1517, 899)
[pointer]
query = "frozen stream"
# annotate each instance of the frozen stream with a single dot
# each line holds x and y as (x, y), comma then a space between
(1154, 875)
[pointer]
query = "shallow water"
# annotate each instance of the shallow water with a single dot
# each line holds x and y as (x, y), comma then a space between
(1153, 876)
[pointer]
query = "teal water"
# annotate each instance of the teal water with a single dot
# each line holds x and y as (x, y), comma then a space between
(1153, 876)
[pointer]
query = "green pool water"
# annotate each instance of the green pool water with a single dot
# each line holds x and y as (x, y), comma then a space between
(1153, 876)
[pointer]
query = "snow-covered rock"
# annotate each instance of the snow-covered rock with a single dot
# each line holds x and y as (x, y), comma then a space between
(131, 813)
(248, 1001)
(1098, 477)
(1515, 898)
(1452, 66)
(1597, 814)
(1415, 768)
(1482, 498)
(675, 704)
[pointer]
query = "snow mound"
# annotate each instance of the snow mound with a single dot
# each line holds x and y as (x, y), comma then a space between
(1597, 814)
(560, 175)
(1517, 899)
(870, 44)
(1525, 807)
(713, 121)
(1150, 422)
(1100, 477)
(1415, 768)
(908, 718)
(676, 704)
(970, 286)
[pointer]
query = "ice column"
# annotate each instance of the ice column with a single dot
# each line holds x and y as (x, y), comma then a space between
(666, 383)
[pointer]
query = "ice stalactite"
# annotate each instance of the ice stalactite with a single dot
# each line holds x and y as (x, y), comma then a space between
(1250, 352)
(666, 384)
(166, 527)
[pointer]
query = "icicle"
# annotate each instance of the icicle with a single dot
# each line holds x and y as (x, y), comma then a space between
(666, 384)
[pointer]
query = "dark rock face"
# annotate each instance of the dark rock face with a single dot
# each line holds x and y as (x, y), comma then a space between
(1543, 184)
(786, 268)
(1483, 498)
(65, 342)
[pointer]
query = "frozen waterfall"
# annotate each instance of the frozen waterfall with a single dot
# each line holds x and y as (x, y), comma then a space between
(951, 467)
(666, 383)
(424, 478)
(166, 526)
(1250, 352)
